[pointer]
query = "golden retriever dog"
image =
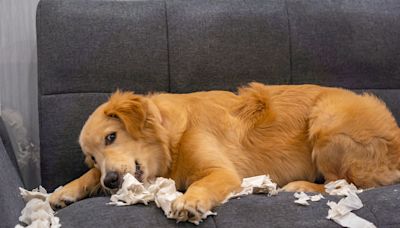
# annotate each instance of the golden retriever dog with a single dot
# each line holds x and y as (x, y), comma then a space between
(208, 141)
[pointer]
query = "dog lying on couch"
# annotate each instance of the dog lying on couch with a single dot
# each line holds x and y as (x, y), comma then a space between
(208, 141)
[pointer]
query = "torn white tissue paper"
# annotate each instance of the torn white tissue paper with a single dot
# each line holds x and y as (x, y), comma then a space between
(162, 191)
(256, 184)
(302, 198)
(131, 192)
(166, 194)
(341, 212)
(341, 188)
(318, 197)
(37, 212)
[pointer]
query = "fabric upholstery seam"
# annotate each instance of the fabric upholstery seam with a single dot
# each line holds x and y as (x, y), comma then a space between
(290, 44)
(167, 37)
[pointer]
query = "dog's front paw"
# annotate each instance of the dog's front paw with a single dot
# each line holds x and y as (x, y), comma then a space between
(190, 208)
(63, 197)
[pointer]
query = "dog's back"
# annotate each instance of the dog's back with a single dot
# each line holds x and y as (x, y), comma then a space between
(279, 130)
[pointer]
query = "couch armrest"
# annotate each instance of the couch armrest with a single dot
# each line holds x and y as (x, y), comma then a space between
(11, 202)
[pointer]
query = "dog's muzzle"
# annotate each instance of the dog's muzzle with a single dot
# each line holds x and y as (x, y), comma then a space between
(112, 180)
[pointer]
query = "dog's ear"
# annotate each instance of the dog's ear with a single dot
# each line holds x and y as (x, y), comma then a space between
(130, 109)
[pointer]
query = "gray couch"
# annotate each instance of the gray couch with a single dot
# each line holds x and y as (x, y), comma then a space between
(88, 48)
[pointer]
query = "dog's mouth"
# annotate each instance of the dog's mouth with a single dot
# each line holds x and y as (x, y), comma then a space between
(118, 181)
(138, 171)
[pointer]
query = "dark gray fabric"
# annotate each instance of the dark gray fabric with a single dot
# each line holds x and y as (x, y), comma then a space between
(250, 211)
(384, 203)
(94, 212)
(61, 119)
(98, 46)
(225, 44)
(11, 203)
(348, 43)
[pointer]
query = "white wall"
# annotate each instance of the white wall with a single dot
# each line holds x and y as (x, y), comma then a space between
(18, 82)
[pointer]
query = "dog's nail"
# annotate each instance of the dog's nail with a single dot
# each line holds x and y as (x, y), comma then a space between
(68, 202)
(191, 215)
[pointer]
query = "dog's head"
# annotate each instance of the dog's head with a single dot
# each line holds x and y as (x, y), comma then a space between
(125, 135)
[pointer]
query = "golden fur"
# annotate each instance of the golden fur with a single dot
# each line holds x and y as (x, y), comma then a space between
(208, 141)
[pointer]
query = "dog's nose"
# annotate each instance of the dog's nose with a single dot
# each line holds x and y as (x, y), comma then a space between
(111, 180)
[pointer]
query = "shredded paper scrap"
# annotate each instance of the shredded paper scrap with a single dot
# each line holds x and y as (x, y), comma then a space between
(37, 212)
(341, 212)
(302, 198)
(256, 185)
(163, 192)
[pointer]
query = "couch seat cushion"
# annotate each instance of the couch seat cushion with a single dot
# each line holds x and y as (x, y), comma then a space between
(381, 207)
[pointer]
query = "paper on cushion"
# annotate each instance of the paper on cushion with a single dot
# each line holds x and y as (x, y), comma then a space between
(341, 188)
(165, 193)
(37, 193)
(256, 184)
(352, 220)
(162, 191)
(37, 212)
(341, 212)
(131, 192)
(318, 197)
(302, 198)
(346, 205)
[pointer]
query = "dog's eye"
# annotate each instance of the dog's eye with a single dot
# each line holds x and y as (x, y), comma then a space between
(94, 159)
(110, 138)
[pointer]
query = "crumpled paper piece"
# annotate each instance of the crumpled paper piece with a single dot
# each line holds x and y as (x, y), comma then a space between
(131, 192)
(341, 188)
(341, 212)
(163, 192)
(37, 212)
(255, 185)
(302, 198)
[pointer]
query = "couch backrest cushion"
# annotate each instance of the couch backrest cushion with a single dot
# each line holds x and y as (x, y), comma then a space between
(225, 44)
(87, 49)
(98, 46)
(352, 44)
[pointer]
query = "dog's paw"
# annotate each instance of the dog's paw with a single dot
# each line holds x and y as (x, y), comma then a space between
(63, 197)
(190, 208)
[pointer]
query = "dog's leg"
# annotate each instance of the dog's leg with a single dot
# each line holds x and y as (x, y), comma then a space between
(303, 186)
(355, 138)
(77, 189)
(365, 165)
(205, 194)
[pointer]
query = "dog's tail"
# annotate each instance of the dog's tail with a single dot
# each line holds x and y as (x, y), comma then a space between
(254, 105)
